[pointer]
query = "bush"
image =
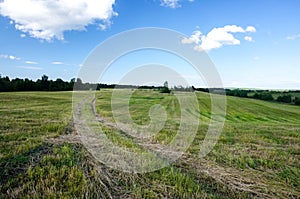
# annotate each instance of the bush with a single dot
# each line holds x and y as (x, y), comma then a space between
(285, 98)
(237, 93)
(297, 101)
(263, 96)
(165, 90)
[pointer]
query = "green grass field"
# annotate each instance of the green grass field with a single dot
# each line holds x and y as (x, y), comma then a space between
(257, 155)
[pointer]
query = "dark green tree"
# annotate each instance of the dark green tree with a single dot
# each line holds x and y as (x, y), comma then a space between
(297, 101)
(285, 98)
(165, 88)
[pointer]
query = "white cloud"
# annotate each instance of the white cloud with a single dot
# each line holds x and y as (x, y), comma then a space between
(293, 37)
(172, 3)
(22, 35)
(248, 38)
(48, 19)
(57, 63)
(30, 67)
(194, 38)
(11, 57)
(217, 37)
(31, 62)
(250, 29)
(102, 26)
(233, 28)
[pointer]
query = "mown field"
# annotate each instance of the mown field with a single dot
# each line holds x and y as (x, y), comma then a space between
(258, 153)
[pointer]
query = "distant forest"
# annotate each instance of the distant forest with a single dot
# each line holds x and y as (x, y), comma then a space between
(44, 84)
(289, 97)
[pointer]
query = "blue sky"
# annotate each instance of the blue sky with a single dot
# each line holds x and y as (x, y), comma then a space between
(253, 43)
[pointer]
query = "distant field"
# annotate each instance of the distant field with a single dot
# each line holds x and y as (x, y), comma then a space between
(258, 153)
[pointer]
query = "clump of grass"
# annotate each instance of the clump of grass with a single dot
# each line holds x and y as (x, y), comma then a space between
(57, 175)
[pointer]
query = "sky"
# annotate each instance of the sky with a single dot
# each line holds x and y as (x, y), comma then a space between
(252, 43)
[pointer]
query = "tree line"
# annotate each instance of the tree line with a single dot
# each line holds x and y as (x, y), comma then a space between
(267, 95)
(44, 84)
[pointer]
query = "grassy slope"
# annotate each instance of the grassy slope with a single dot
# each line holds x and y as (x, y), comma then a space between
(259, 144)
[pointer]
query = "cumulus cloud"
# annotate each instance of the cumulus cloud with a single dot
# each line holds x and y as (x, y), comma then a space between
(248, 38)
(194, 38)
(57, 63)
(217, 37)
(172, 3)
(48, 19)
(293, 37)
(250, 29)
(30, 67)
(10, 57)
